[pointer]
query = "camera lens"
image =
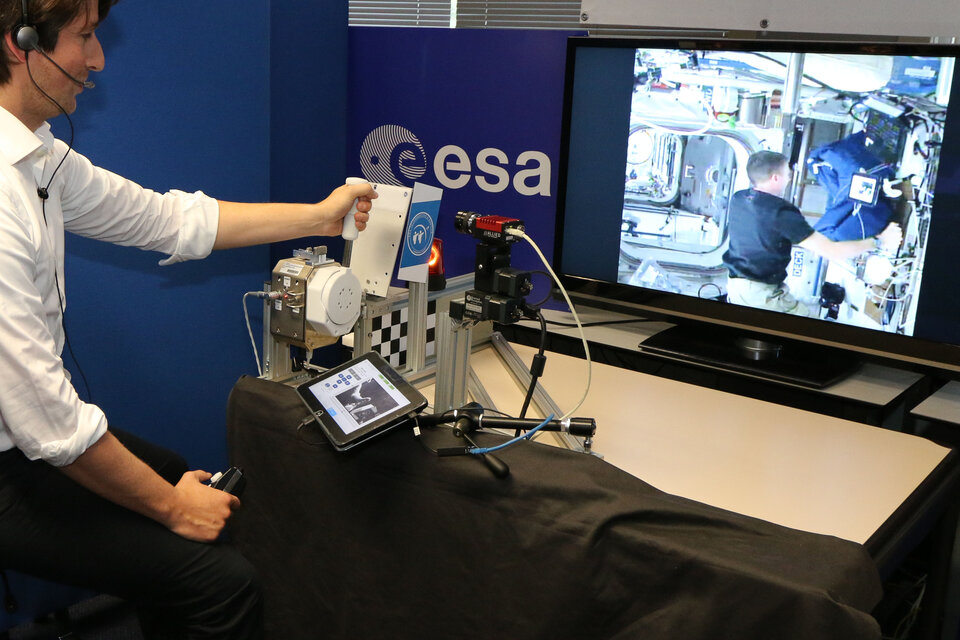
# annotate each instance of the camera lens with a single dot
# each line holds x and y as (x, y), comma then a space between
(464, 222)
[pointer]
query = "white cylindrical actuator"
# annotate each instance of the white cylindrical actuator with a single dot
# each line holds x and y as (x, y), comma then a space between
(333, 300)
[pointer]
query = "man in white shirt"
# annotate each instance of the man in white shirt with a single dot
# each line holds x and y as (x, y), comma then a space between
(80, 503)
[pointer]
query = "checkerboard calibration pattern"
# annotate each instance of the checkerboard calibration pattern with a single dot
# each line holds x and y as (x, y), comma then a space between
(389, 337)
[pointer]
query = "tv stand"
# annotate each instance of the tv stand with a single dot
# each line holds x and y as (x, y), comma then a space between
(803, 364)
(874, 394)
(756, 349)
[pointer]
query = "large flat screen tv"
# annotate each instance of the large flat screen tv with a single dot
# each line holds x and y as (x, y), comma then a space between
(659, 216)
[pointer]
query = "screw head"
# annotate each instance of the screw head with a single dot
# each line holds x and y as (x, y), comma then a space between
(764, 23)
(584, 17)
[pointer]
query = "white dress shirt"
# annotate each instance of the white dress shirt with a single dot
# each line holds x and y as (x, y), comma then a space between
(40, 412)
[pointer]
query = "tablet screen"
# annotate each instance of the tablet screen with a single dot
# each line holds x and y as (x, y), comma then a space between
(357, 396)
(360, 399)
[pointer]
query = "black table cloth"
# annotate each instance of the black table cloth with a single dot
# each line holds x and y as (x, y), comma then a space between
(390, 541)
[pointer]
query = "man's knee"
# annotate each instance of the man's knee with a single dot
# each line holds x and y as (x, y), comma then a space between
(236, 609)
(218, 597)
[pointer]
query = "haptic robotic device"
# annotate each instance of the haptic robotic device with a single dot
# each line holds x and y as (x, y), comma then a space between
(315, 300)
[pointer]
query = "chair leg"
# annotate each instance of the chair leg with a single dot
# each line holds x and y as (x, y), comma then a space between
(9, 601)
(59, 622)
(63, 623)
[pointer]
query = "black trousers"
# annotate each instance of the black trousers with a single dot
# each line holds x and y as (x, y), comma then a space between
(53, 528)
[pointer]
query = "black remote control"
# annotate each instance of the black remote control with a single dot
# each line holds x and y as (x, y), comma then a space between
(231, 481)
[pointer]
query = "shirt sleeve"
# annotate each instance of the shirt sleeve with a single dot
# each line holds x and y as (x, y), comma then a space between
(42, 413)
(793, 225)
(103, 205)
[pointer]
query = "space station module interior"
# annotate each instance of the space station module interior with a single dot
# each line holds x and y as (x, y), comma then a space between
(862, 134)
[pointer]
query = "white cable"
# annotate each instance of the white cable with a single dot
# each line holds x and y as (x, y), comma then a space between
(246, 317)
(682, 132)
(678, 132)
(856, 212)
(576, 318)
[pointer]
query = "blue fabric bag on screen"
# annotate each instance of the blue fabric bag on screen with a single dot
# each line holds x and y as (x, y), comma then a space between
(834, 166)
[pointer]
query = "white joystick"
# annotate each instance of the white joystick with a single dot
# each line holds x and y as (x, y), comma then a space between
(350, 231)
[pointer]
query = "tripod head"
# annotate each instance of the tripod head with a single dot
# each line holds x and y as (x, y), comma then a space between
(471, 418)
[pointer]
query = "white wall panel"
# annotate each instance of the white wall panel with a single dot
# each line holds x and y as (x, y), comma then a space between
(923, 18)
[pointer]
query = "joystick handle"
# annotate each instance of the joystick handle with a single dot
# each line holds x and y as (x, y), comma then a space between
(350, 231)
(231, 481)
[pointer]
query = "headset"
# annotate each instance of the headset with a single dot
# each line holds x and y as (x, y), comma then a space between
(28, 39)
(25, 34)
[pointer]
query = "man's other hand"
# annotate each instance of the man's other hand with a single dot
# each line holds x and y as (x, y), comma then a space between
(200, 512)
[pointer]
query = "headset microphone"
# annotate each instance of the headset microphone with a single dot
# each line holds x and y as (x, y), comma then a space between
(86, 85)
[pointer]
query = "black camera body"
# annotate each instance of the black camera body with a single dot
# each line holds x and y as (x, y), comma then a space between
(499, 289)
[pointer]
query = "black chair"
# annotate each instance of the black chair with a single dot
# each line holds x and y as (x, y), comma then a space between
(29, 599)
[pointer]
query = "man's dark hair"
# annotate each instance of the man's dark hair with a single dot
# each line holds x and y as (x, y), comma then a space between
(48, 16)
(764, 164)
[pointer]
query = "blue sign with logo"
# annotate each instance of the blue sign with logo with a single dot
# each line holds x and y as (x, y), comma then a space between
(474, 112)
(421, 231)
(421, 226)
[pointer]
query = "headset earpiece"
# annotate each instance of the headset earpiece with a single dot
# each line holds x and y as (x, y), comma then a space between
(25, 34)
(26, 37)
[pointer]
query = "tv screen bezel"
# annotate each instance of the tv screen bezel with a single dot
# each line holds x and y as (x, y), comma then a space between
(682, 309)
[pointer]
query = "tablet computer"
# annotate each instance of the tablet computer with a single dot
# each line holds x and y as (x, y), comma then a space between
(864, 188)
(359, 400)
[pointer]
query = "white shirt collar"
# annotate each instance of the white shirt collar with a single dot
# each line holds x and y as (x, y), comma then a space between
(17, 141)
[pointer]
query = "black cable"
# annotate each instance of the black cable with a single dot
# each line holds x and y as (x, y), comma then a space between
(852, 115)
(421, 429)
(66, 339)
(313, 443)
(549, 295)
(44, 193)
(536, 367)
(500, 413)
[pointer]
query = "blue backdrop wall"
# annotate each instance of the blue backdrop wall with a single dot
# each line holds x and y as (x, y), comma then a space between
(308, 119)
(186, 101)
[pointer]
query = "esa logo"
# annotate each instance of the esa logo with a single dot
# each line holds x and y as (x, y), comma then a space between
(392, 154)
